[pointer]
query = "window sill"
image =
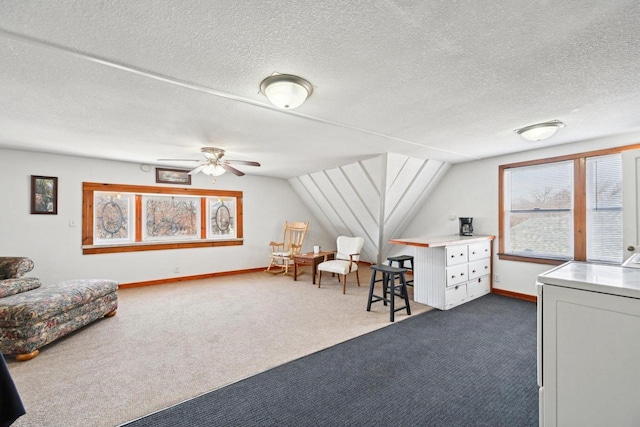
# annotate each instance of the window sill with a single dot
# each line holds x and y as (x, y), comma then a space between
(156, 246)
(550, 261)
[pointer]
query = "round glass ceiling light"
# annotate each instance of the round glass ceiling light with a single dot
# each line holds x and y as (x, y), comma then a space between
(286, 91)
(540, 131)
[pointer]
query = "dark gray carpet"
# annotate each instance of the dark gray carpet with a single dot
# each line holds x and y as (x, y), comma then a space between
(474, 365)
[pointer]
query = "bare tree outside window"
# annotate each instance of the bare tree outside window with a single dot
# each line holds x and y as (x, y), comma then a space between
(171, 217)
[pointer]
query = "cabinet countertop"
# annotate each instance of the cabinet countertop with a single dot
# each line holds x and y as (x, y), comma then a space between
(430, 242)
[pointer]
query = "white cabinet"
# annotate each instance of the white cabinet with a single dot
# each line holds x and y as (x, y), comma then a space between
(479, 286)
(479, 268)
(457, 274)
(480, 250)
(589, 345)
(451, 271)
(456, 254)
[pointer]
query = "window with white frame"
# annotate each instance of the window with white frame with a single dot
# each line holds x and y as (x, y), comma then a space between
(168, 218)
(222, 217)
(112, 218)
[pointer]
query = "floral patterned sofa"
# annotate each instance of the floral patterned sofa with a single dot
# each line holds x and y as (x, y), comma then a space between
(32, 315)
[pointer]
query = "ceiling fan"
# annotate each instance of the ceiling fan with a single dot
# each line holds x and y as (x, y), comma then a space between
(214, 164)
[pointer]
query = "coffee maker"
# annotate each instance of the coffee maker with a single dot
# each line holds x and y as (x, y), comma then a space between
(466, 226)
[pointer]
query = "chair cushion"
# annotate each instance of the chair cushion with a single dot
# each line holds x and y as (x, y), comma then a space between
(282, 254)
(337, 266)
(13, 267)
(17, 285)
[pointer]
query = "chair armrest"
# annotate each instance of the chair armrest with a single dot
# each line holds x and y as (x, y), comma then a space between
(334, 253)
(351, 261)
(14, 267)
(276, 245)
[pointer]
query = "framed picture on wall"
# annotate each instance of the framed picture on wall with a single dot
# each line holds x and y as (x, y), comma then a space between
(173, 176)
(44, 195)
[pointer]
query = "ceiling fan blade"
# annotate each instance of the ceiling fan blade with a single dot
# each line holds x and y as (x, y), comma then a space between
(243, 162)
(197, 169)
(231, 169)
(177, 160)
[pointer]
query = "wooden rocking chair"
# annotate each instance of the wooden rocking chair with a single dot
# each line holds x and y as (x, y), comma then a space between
(282, 253)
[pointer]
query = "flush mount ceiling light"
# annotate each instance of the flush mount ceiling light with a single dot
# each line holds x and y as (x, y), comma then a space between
(540, 131)
(285, 90)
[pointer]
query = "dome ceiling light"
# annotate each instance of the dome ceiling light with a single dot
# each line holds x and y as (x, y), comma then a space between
(285, 90)
(540, 131)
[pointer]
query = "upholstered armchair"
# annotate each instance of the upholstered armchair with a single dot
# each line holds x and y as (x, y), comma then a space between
(345, 262)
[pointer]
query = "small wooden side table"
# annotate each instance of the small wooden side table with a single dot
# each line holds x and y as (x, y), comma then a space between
(312, 259)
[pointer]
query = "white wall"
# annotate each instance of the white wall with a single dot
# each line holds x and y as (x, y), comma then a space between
(471, 190)
(468, 189)
(56, 248)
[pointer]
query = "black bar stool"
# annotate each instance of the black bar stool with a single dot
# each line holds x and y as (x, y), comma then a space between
(388, 280)
(400, 259)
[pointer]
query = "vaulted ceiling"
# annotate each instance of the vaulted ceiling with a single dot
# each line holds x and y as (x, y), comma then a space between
(450, 81)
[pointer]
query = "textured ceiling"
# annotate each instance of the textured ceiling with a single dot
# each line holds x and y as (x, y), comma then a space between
(142, 80)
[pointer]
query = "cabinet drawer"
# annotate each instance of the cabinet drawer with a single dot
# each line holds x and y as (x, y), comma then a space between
(479, 268)
(456, 254)
(455, 295)
(479, 250)
(478, 286)
(457, 274)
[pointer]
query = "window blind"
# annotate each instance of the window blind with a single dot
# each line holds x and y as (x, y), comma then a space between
(604, 208)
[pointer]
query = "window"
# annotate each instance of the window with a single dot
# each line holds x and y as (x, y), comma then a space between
(604, 208)
(168, 218)
(222, 218)
(122, 218)
(112, 218)
(539, 210)
(567, 208)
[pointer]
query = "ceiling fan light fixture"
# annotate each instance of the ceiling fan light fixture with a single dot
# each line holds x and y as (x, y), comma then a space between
(286, 91)
(213, 170)
(214, 165)
(540, 131)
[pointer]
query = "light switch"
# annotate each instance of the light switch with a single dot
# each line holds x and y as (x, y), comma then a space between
(73, 223)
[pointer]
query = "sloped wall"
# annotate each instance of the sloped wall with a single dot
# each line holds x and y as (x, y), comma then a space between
(374, 198)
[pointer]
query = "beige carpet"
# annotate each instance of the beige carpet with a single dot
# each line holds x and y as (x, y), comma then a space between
(172, 342)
